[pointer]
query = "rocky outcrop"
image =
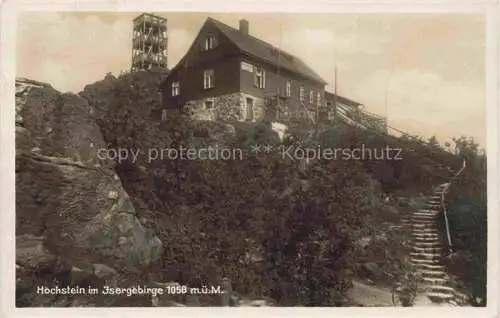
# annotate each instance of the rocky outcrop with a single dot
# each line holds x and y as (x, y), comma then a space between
(70, 204)
(59, 124)
(102, 94)
(81, 209)
(23, 88)
(31, 254)
(97, 95)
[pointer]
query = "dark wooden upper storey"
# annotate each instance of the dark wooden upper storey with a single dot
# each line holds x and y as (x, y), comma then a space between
(236, 61)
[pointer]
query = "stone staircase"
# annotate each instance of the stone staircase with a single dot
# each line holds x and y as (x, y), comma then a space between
(427, 254)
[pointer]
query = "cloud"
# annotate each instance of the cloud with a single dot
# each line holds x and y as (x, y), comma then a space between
(404, 50)
(423, 102)
(69, 51)
(319, 36)
(179, 42)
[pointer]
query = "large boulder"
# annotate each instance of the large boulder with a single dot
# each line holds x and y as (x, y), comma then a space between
(371, 269)
(61, 125)
(23, 89)
(98, 95)
(32, 254)
(66, 193)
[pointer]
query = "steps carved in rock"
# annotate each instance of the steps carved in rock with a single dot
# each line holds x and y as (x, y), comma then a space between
(432, 273)
(432, 250)
(429, 211)
(427, 250)
(424, 244)
(429, 266)
(424, 217)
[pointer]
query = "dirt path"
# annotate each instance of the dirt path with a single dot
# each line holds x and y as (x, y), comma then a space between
(367, 295)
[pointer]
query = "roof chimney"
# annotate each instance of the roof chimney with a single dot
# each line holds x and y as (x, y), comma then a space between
(244, 26)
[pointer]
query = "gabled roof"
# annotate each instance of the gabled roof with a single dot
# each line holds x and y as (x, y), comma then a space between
(266, 52)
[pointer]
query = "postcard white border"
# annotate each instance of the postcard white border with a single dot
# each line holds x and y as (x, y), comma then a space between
(9, 10)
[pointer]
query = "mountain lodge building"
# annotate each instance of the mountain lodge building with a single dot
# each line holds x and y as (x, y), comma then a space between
(227, 74)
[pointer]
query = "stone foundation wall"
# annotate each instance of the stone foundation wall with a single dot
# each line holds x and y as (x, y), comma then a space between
(286, 110)
(227, 107)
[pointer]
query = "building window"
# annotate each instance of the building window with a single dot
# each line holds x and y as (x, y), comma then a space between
(210, 42)
(164, 114)
(311, 97)
(175, 88)
(209, 105)
(260, 77)
(246, 66)
(288, 88)
(208, 79)
(318, 99)
(302, 96)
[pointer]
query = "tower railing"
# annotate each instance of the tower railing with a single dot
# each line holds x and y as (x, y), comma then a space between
(149, 42)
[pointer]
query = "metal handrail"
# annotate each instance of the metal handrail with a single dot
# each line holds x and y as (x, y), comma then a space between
(448, 234)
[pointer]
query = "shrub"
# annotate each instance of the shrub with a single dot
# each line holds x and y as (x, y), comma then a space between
(274, 228)
(468, 221)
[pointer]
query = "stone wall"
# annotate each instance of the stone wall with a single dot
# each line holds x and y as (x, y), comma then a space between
(259, 106)
(233, 107)
(229, 107)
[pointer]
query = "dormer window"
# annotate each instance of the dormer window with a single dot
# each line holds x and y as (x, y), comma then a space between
(175, 88)
(210, 42)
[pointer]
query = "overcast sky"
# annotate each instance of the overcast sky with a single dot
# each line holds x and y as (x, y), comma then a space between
(430, 65)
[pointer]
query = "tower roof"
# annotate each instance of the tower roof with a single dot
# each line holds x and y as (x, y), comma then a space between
(143, 15)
